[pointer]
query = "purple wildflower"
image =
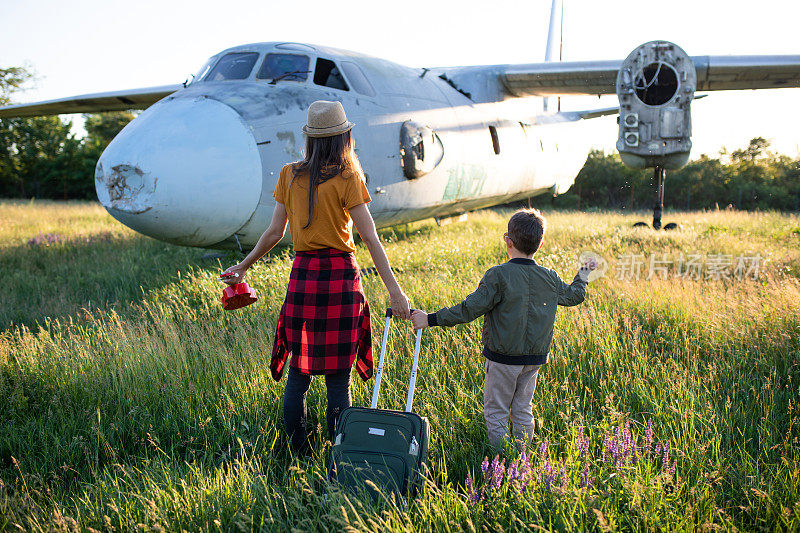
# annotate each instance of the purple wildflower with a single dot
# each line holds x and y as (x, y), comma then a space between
(621, 447)
(586, 479)
(46, 239)
(472, 492)
(583, 443)
(512, 473)
(628, 439)
(613, 448)
(526, 462)
(498, 472)
(562, 473)
(493, 466)
(548, 472)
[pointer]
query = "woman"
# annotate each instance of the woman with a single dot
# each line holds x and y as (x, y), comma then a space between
(324, 323)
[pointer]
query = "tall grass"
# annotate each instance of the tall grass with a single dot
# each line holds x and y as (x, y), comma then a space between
(154, 408)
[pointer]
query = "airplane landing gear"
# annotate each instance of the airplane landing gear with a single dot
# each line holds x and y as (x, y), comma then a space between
(658, 183)
(658, 204)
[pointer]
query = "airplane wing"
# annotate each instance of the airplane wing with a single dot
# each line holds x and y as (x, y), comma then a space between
(591, 113)
(92, 103)
(586, 114)
(714, 73)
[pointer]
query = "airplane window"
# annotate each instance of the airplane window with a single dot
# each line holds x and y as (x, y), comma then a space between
(291, 67)
(328, 75)
(234, 66)
(357, 79)
(495, 139)
(203, 71)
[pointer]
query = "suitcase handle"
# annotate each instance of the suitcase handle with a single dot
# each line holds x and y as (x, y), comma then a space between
(379, 373)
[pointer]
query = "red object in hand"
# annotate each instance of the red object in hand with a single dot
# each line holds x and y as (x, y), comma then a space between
(237, 296)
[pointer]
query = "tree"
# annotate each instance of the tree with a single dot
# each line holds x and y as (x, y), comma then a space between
(103, 127)
(12, 79)
(39, 156)
(754, 178)
(757, 148)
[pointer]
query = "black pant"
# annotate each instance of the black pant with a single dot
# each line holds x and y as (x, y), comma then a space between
(294, 404)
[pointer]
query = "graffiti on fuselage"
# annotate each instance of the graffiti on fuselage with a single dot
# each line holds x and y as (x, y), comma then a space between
(465, 181)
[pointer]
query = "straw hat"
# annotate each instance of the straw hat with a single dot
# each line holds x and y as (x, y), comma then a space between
(326, 119)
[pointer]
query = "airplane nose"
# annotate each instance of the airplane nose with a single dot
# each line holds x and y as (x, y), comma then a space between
(186, 171)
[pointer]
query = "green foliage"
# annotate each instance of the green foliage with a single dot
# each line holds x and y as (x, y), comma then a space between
(12, 79)
(103, 127)
(41, 158)
(128, 396)
(749, 178)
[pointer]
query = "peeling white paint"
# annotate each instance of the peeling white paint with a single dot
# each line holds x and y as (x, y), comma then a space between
(125, 188)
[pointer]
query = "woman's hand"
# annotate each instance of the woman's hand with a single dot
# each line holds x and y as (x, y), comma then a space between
(401, 305)
(234, 274)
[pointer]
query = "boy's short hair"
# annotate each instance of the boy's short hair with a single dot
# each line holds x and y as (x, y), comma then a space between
(526, 230)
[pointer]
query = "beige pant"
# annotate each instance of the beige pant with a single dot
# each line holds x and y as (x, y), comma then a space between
(508, 390)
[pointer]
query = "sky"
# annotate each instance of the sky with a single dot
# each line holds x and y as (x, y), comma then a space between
(87, 46)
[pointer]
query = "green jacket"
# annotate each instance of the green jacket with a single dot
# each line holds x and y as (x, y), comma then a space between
(519, 299)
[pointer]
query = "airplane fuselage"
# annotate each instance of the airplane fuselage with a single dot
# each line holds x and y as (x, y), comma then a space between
(198, 168)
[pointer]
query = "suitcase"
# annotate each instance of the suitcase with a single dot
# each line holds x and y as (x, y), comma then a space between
(388, 448)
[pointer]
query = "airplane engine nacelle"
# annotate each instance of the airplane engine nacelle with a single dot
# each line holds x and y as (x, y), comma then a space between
(655, 86)
(421, 149)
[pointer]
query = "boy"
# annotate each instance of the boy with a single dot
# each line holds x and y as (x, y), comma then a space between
(519, 299)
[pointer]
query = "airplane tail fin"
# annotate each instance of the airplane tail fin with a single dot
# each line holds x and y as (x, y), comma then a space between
(554, 38)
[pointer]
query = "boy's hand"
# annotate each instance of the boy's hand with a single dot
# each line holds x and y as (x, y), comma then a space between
(589, 265)
(419, 319)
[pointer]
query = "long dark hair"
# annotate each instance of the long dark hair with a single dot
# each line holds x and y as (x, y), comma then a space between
(325, 157)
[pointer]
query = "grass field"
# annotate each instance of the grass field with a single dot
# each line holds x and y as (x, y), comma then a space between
(129, 400)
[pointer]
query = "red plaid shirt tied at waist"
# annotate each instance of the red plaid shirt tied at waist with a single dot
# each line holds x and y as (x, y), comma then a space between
(324, 323)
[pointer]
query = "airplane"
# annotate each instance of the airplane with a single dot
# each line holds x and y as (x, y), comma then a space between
(198, 166)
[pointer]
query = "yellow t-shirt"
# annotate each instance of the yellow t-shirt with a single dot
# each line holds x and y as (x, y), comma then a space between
(331, 226)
